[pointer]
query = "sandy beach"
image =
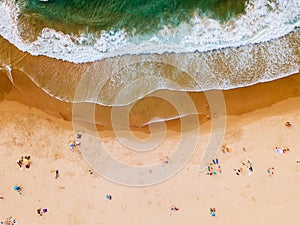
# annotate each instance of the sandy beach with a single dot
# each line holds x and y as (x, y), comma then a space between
(149, 112)
(79, 197)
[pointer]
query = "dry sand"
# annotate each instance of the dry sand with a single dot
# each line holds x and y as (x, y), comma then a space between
(78, 197)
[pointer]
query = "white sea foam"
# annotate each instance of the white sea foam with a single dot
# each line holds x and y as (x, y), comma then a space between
(7, 70)
(263, 20)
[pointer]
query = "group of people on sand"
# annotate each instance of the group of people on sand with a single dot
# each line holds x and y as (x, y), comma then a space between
(214, 168)
(225, 149)
(174, 208)
(248, 166)
(9, 221)
(24, 161)
(279, 150)
(75, 143)
(270, 171)
(108, 197)
(41, 211)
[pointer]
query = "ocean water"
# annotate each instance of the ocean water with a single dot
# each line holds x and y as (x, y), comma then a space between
(85, 31)
(135, 17)
(198, 45)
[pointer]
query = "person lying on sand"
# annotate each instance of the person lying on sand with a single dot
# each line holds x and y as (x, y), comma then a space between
(225, 149)
(18, 189)
(270, 171)
(212, 212)
(174, 208)
(20, 162)
(288, 124)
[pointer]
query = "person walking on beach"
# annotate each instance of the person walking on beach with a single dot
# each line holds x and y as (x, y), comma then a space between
(56, 174)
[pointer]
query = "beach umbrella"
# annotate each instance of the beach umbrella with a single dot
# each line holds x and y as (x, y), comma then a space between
(16, 188)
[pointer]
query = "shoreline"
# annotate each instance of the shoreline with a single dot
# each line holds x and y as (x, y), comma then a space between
(237, 101)
(63, 77)
(33, 80)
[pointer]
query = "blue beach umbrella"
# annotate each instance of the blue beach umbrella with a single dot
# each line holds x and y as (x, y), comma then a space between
(16, 188)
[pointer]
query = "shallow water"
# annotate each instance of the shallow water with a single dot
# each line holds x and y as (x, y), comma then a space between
(135, 76)
(107, 65)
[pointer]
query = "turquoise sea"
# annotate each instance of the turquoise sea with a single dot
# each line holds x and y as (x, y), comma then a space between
(88, 30)
(134, 16)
